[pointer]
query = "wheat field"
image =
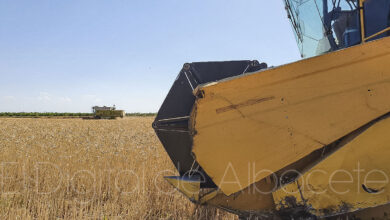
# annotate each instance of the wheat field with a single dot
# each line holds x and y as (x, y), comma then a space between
(88, 169)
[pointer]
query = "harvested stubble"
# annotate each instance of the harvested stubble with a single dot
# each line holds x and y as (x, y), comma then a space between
(88, 169)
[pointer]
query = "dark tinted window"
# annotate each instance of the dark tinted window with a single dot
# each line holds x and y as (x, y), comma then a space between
(377, 17)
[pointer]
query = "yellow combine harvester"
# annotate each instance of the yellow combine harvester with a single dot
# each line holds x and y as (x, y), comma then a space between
(307, 140)
(107, 112)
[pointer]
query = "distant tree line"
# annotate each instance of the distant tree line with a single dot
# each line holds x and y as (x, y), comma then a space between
(43, 114)
(62, 114)
(137, 114)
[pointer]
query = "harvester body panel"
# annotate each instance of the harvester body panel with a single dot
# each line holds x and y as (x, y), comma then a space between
(109, 114)
(353, 178)
(271, 143)
(173, 119)
(267, 120)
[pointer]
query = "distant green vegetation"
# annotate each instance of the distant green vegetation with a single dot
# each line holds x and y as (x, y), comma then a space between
(137, 114)
(62, 114)
(43, 114)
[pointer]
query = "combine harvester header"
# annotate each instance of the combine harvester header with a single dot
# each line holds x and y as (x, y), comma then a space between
(306, 140)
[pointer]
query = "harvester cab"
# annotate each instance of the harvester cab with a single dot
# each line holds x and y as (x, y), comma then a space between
(268, 142)
(322, 26)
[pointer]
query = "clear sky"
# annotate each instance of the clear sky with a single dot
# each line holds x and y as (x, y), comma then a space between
(68, 55)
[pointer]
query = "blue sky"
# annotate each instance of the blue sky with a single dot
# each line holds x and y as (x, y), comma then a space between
(68, 55)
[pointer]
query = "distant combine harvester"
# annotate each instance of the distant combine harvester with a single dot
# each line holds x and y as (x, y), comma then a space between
(107, 112)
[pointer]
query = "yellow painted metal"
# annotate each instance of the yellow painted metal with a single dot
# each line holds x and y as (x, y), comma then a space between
(209, 196)
(109, 113)
(249, 126)
(362, 26)
(255, 198)
(189, 188)
(378, 33)
(288, 195)
(353, 178)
